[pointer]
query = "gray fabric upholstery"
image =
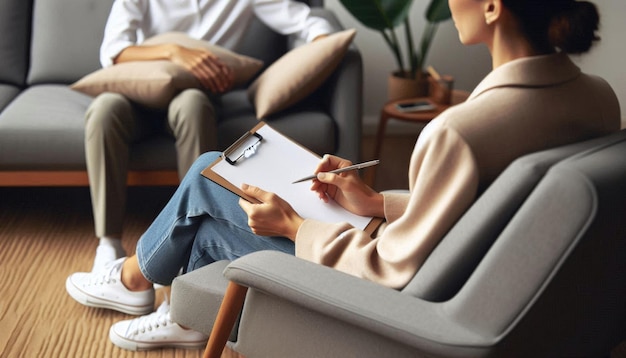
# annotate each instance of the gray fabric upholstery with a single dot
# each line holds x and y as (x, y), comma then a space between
(203, 290)
(450, 264)
(42, 120)
(339, 307)
(51, 114)
(267, 48)
(66, 39)
(550, 285)
(342, 94)
(558, 269)
(7, 94)
(14, 34)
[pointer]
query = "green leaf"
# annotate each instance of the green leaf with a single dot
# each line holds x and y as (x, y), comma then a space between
(437, 11)
(378, 14)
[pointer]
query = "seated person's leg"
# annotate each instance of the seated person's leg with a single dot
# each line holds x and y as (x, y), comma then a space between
(109, 129)
(216, 242)
(198, 208)
(203, 221)
(192, 121)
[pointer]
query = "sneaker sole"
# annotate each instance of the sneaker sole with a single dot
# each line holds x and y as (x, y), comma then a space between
(143, 346)
(85, 299)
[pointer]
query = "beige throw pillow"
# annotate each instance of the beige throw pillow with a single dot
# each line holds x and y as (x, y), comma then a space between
(298, 73)
(155, 83)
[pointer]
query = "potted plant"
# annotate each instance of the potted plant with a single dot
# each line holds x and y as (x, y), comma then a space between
(385, 16)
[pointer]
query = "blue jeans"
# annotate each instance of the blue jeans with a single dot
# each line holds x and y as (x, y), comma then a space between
(201, 223)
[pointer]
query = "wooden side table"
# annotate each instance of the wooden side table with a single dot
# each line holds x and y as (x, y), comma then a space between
(390, 111)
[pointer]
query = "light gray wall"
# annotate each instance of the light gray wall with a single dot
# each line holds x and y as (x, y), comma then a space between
(469, 64)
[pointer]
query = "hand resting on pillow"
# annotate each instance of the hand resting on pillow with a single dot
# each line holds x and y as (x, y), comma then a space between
(211, 72)
(155, 82)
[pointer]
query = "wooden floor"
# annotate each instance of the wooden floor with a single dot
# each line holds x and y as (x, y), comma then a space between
(45, 235)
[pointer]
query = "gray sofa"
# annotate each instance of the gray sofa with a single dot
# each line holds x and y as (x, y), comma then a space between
(45, 45)
(535, 268)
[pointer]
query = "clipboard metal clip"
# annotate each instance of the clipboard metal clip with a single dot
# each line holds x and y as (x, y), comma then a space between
(244, 147)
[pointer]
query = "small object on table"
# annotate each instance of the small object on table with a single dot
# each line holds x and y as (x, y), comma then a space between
(440, 87)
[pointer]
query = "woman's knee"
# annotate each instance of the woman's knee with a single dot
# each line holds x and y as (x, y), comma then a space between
(204, 160)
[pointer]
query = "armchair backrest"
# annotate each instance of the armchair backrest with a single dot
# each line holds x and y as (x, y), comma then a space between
(556, 273)
(461, 250)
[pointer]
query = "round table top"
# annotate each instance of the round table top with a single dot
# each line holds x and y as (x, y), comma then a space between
(390, 110)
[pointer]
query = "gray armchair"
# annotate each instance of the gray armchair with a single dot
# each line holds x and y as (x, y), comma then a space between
(535, 268)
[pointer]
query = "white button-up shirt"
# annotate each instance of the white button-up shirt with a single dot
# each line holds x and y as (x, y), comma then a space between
(220, 22)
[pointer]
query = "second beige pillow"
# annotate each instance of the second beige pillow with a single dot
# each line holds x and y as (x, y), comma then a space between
(298, 73)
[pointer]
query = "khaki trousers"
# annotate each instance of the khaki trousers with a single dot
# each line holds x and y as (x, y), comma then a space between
(113, 123)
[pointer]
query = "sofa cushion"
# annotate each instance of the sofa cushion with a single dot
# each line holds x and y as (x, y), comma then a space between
(66, 39)
(52, 117)
(7, 94)
(43, 129)
(155, 83)
(298, 73)
(14, 20)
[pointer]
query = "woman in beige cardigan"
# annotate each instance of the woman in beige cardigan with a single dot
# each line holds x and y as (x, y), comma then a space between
(535, 98)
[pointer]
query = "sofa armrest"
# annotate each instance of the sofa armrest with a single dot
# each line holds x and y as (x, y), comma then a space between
(344, 98)
(387, 312)
(343, 93)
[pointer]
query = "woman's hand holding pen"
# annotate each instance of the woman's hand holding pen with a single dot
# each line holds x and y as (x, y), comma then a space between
(347, 188)
(273, 216)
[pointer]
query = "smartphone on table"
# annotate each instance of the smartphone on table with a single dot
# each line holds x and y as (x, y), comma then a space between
(416, 106)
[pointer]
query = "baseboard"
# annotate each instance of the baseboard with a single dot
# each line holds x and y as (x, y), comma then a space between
(80, 178)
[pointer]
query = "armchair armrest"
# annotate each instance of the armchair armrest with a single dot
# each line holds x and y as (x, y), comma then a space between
(387, 312)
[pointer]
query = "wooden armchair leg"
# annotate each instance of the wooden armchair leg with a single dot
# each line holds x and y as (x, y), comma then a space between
(224, 322)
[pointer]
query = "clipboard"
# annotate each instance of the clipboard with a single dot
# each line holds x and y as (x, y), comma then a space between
(265, 158)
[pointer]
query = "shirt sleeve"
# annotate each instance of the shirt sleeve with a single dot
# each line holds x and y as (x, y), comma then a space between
(120, 31)
(290, 17)
(443, 180)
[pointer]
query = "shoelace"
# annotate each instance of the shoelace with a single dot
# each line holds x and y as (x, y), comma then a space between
(108, 276)
(155, 320)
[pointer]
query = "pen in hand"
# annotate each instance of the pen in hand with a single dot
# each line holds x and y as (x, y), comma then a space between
(341, 170)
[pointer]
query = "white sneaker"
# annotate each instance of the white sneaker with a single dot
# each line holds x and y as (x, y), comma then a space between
(104, 289)
(155, 330)
(105, 254)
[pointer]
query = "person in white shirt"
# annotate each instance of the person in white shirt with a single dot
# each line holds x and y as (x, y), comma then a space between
(113, 122)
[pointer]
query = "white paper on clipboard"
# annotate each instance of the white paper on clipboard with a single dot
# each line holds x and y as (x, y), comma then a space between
(275, 164)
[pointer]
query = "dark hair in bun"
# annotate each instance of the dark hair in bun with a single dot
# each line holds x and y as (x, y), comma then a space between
(568, 25)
